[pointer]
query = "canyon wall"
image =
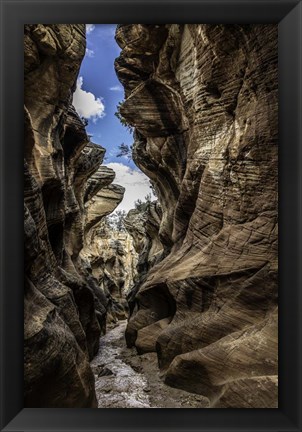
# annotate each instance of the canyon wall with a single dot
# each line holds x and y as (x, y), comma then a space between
(143, 226)
(112, 259)
(67, 192)
(203, 101)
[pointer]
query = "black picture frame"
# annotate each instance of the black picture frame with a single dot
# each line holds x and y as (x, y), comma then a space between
(288, 15)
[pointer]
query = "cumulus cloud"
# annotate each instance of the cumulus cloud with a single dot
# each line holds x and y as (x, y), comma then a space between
(135, 182)
(89, 52)
(89, 28)
(86, 104)
(116, 88)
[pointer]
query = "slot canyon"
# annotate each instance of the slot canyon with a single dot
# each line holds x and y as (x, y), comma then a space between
(178, 308)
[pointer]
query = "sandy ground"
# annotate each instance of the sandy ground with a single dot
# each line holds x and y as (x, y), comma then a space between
(125, 380)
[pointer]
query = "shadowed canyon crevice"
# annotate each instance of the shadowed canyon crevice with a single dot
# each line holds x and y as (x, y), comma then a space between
(195, 273)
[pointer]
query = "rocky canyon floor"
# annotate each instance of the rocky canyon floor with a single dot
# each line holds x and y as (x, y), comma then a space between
(125, 380)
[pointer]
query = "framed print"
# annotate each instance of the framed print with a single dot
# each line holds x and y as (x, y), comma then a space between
(159, 161)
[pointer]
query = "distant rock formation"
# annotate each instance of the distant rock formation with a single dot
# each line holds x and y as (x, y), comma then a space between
(203, 101)
(66, 193)
(143, 226)
(112, 260)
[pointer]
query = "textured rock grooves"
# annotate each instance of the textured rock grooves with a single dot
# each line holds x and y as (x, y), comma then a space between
(203, 306)
(67, 193)
(203, 101)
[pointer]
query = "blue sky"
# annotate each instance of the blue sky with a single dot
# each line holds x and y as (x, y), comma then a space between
(97, 95)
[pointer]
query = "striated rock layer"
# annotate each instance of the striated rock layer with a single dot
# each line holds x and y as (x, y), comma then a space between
(203, 101)
(112, 261)
(143, 226)
(66, 193)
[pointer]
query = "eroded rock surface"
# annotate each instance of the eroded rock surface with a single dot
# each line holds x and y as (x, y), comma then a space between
(203, 101)
(112, 259)
(66, 193)
(143, 226)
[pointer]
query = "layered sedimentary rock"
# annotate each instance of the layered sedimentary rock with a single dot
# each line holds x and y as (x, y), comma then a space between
(143, 226)
(112, 261)
(65, 309)
(203, 102)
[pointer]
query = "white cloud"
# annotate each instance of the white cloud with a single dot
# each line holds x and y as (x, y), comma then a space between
(89, 28)
(89, 52)
(86, 104)
(135, 182)
(116, 88)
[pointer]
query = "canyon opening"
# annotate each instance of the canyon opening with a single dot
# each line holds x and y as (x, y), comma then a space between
(151, 216)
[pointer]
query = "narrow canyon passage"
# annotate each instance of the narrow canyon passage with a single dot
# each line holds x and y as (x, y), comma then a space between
(125, 380)
(166, 298)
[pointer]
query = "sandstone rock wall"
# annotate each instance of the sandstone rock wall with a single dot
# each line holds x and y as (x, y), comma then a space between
(66, 193)
(143, 226)
(203, 101)
(112, 259)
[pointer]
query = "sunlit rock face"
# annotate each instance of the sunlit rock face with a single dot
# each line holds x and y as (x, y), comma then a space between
(64, 188)
(143, 226)
(112, 260)
(203, 101)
